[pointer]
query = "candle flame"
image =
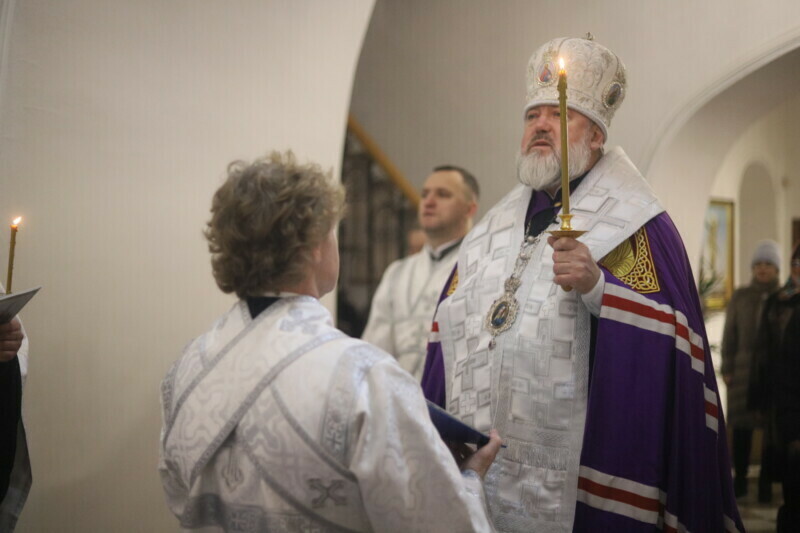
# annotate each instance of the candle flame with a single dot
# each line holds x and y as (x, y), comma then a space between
(561, 63)
(17, 221)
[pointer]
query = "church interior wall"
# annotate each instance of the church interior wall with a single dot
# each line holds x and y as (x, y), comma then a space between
(758, 175)
(118, 121)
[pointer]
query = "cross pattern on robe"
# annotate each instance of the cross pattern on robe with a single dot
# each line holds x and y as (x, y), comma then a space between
(308, 324)
(468, 373)
(602, 214)
(327, 492)
(242, 519)
(469, 402)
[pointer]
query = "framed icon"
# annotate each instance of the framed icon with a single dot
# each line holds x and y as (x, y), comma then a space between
(716, 259)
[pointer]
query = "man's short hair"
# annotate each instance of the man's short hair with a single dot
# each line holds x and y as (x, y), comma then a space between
(265, 220)
(469, 179)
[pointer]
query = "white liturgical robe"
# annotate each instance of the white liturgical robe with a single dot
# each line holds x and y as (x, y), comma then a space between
(404, 303)
(283, 423)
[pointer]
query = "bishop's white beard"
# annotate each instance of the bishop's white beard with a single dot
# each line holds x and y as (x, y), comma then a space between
(544, 171)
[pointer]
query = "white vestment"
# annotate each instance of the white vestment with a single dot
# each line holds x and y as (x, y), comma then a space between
(532, 387)
(403, 307)
(282, 423)
(21, 478)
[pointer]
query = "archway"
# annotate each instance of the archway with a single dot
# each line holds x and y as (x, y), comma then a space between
(683, 175)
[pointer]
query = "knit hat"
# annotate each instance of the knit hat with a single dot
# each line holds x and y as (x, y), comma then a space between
(767, 251)
(596, 80)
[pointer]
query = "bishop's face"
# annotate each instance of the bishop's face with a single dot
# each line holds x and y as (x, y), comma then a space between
(539, 160)
(542, 132)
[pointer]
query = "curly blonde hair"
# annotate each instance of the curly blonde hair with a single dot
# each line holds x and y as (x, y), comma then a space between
(265, 220)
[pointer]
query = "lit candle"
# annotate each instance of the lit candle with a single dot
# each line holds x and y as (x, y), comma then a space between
(11, 246)
(562, 109)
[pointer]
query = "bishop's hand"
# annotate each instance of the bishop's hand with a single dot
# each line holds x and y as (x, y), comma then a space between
(573, 265)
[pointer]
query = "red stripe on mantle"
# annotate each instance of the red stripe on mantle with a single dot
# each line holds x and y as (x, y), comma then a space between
(624, 304)
(610, 493)
(640, 309)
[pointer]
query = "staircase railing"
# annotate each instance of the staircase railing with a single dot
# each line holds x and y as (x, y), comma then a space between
(382, 208)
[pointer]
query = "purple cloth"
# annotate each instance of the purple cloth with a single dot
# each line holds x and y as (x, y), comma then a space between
(651, 416)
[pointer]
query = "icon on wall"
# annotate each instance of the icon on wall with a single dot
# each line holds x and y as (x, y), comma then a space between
(716, 259)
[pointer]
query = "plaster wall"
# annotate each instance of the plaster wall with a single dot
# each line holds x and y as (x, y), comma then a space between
(118, 120)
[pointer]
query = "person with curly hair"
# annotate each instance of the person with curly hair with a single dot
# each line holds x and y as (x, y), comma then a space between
(274, 420)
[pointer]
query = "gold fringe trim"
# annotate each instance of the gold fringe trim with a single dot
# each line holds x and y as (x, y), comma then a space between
(632, 263)
(453, 284)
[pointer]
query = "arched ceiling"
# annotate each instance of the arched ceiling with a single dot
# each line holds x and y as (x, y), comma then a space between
(686, 163)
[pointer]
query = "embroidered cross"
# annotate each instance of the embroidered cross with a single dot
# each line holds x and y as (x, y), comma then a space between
(325, 493)
(469, 402)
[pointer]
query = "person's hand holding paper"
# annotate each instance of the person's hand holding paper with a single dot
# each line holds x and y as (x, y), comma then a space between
(10, 340)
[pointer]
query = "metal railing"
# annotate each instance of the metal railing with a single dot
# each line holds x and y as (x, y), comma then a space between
(382, 207)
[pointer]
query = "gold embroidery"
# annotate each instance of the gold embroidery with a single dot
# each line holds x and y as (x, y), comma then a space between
(453, 284)
(632, 263)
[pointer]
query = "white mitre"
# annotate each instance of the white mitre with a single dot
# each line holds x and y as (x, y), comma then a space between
(596, 79)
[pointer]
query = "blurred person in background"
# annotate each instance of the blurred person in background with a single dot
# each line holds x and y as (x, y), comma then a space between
(405, 300)
(738, 345)
(776, 386)
(15, 466)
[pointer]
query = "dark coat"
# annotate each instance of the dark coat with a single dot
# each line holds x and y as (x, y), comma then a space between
(776, 372)
(739, 341)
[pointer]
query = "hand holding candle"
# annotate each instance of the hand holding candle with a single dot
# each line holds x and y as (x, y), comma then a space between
(565, 216)
(11, 246)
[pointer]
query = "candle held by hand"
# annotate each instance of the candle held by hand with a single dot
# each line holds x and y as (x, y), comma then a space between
(562, 109)
(12, 244)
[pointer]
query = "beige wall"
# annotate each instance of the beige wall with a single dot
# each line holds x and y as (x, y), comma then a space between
(118, 119)
(444, 82)
(759, 173)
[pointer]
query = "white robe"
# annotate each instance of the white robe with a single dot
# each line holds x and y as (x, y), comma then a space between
(403, 306)
(283, 423)
(533, 386)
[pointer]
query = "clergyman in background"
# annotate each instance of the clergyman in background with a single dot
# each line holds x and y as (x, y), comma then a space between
(404, 303)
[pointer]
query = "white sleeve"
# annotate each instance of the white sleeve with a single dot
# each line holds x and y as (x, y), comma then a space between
(380, 326)
(593, 300)
(408, 478)
(22, 354)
